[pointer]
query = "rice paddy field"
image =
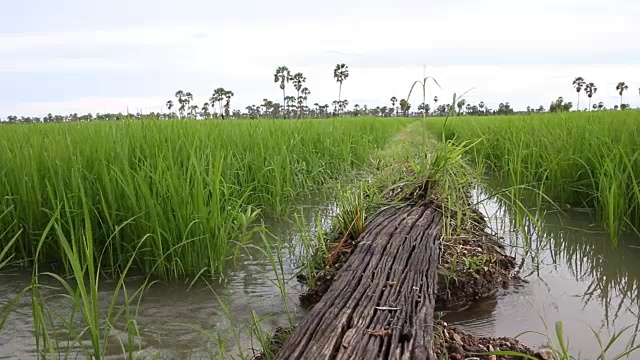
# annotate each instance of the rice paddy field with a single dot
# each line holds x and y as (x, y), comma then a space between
(176, 214)
(169, 198)
(579, 160)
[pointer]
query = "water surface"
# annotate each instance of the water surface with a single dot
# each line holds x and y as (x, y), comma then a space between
(573, 275)
(177, 320)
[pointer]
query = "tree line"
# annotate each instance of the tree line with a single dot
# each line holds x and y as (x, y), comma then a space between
(296, 105)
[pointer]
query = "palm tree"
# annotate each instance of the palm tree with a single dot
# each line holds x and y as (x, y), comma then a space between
(335, 106)
(298, 79)
(340, 73)
(170, 105)
(481, 106)
(424, 108)
(461, 105)
(435, 102)
(305, 94)
(193, 110)
(590, 89)
(621, 87)
(205, 110)
(342, 105)
(578, 84)
(228, 94)
(404, 107)
(283, 76)
(180, 96)
(218, 96)
(394, 100)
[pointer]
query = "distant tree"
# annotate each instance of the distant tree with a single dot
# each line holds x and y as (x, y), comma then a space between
(435, 102)
(204, 111)
(625, 106)
(600, 105)
(615, 107)
(283, 76)
(217, 97)
(325, 109)
(305, 94)
(193, 110)
(180, 96)
(481, 106)
(276, 109)
(340, 73)
(404, 107)
(356, 109)
(621, 88)
(424, 108)
(228, 94)
(289, 102)
(170, 105)
(590, 89)
(578, 84)
(540, 109)
(461, 104)
(394, 101)
(188, 97)
(504, 109)
(560, 106)
(594, 106)
(297, 80)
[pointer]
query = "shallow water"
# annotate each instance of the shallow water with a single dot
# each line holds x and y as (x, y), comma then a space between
(175, 320)
(573, 275)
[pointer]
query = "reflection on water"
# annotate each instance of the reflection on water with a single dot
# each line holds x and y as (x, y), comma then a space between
(175, 320)
(573, 274)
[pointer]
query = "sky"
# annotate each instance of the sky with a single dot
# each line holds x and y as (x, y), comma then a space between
(112, 56)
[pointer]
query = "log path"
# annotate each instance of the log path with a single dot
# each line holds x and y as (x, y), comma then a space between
(381, 303)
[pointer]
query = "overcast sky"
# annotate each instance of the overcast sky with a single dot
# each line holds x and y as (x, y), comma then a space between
(86, 56)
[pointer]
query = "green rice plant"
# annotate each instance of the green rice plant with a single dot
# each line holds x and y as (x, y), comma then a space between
(192, 188)
(81, 289)
(6, 256)
(354, 206)
(575, 159)
(559, 346)
(314, 249)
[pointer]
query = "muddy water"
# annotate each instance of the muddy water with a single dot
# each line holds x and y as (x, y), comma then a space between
(175, 320)
(573, 275)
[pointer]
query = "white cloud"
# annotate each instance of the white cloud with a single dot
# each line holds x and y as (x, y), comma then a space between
(523, 52)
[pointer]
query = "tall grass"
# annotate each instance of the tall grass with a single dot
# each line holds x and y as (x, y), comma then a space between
(189, 189)
(577, 159)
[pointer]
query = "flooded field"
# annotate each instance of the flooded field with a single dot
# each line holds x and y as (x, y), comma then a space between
(176, 320)
(572, 275)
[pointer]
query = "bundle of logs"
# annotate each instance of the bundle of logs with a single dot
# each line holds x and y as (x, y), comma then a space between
(381, 303)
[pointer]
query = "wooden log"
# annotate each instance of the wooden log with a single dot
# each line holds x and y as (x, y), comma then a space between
(381, 303)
